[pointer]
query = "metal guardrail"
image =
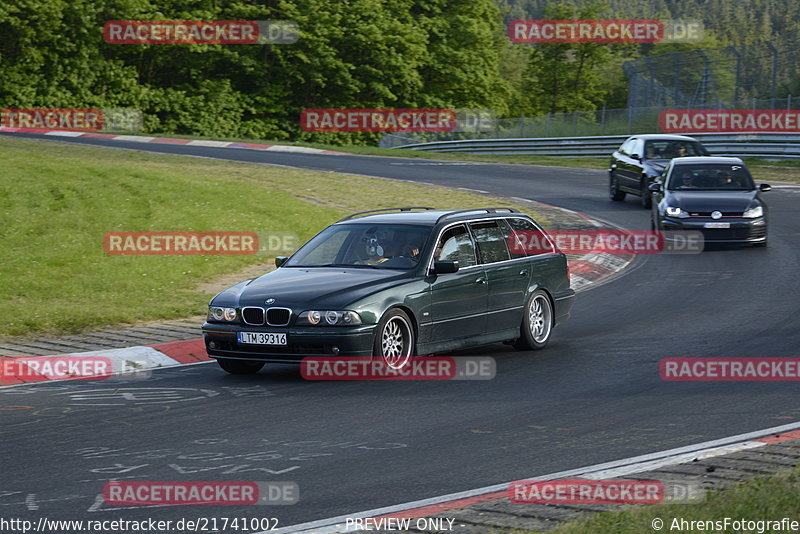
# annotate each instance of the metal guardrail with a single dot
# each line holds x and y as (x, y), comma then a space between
(756, 144)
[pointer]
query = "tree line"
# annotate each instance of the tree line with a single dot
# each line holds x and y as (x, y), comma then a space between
(350, 54)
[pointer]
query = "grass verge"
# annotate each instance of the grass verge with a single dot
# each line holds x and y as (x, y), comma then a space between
(768, 498)
(59, 200)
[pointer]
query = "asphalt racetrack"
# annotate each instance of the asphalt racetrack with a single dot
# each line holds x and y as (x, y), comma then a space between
(593, 395)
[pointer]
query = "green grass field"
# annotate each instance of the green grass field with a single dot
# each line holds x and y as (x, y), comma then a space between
(767, 498)
(59, 200)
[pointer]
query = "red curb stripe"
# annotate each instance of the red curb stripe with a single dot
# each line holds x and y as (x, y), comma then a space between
(28, 130)
(99, 136)
(786, 436)
(445, 506)
(33, 377)
(185, 351)
(255, 146)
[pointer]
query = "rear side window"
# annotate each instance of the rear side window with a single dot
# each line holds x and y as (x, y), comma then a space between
(527, 238)
(491, 241)
(456, 245)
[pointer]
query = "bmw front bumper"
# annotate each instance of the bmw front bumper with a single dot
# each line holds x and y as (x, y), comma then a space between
(221, 341)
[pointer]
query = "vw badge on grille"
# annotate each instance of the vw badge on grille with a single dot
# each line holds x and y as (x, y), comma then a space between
(716, 215)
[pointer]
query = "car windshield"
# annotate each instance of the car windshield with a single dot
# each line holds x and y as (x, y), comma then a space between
(379, 246)
(667, 149)
(710, 178)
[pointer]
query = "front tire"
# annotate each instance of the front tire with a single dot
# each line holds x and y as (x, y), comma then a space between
(394, 339)
(240, 367)
(537, 323)
(613, 189)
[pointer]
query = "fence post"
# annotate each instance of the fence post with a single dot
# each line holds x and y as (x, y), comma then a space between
(522, 126)
(789, 102)
(630, 119)
(603, 121)
(574, 123)
(547, 126)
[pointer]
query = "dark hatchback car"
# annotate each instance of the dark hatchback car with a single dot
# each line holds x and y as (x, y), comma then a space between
(714, 195)
(395, 283)
(643, 158)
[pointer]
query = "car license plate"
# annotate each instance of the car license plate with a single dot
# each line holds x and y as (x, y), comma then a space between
(717, 225)
(262, 338)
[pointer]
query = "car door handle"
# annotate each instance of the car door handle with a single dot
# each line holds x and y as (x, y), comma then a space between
(523, 272)
(480, 280)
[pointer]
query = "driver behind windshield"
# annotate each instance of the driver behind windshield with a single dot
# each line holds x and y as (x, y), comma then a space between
(402, 249)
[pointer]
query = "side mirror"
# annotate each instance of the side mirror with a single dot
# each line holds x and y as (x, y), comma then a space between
(765, 187)
(280, 260)
(636, 156)
(445, 267)
(655, 187)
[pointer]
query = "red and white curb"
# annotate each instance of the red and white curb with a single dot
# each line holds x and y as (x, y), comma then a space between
(595, 266)
(123, 361)
(173, 141)
(618, 468)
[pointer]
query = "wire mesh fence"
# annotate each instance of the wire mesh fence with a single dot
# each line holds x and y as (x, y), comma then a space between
(618, 121)
(733, 77)
(714, 77)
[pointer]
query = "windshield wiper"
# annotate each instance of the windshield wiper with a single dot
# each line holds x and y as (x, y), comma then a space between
(356, 265)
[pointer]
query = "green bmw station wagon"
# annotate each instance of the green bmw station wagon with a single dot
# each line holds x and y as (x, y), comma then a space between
(394, 283)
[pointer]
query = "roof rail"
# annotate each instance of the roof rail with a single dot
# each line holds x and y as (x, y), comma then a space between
(404, 208)
(487, 210)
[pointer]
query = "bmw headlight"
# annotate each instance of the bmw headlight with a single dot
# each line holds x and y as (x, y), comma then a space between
(218, 313)
(329, 318)
(673, 211)
(753, 212)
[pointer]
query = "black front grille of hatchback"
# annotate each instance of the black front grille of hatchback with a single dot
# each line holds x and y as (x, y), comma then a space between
(253, 315)
(278, 316)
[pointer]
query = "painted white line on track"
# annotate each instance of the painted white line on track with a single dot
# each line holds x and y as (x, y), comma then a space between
(617, 468)
(133, 138)
(215, 144)
(65, 134)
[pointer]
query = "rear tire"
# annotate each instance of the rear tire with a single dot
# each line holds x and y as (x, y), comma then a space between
(537, 322)
(240, 367)
(645, 192)
(613, 190)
